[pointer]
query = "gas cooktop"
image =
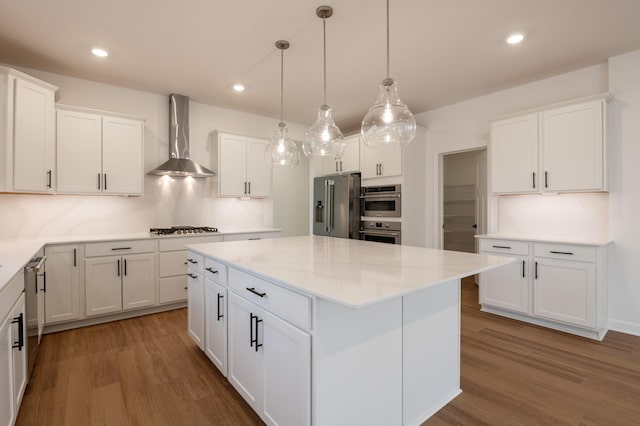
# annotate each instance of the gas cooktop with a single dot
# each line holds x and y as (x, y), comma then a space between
(183, 230)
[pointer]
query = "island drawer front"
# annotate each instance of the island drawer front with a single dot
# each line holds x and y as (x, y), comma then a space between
(215, 271)
(172, 263)
(566, 252)
(195, 262)
(117, 248)
(291, 306)
(170, 243)
(505, 246)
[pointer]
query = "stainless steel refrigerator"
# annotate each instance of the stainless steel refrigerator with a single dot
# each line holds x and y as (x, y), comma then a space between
(336, 206)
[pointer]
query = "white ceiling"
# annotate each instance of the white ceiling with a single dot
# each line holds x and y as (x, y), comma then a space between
(442, 51)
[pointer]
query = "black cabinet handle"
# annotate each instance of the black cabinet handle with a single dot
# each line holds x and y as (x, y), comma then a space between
(105, 181)
(125, 267)
(99, 181)
(245, 187)
(192, 276)
(252, 341)
(49, 179)
(534, 180)
(380, 169)
(120, 248)
(546, 179)
(502, 247)
(253, 290)
(186, 288)
(336, 166)
(219, 314)
(191, 260)
(44, 281)
(258, 321)
(118, 267)
(523, 269)
(20, 321)
(535, 276)
(249, 187)
(75, 252)
(213, 271)
(561, 252)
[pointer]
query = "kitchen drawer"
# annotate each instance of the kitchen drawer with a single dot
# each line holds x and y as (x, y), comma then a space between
(172, 243)
(173, 289)
(252, 236)
(291, 306)
(195, 262)
(215, 271)
(172, 263)
(504, 246)
(565, 252)
(118, 248)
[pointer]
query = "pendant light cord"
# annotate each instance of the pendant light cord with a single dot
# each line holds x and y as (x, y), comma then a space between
(324, 56)
(388, 39)
(281, 85)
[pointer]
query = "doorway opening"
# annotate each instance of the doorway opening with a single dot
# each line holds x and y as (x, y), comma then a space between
(463, 201)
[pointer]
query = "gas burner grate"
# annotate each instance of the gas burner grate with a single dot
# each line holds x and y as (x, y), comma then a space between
(183, 230)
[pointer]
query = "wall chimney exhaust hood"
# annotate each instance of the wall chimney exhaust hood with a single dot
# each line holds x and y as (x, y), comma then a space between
(179, 164)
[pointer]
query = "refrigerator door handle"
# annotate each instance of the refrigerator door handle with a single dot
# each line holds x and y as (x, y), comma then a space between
(327, 204)
(332, 189)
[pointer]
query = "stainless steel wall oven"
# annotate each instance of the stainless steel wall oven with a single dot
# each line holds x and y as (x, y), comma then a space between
(381, 232)
(381, 201)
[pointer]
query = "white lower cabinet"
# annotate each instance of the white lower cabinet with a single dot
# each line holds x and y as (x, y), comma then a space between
(62, 295)
(195, 312)
(562, 286)
(269, 363)
(216, 324)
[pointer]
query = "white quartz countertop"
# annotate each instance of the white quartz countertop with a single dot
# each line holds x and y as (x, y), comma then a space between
(16, 253)
(579, 240)
(353, 273)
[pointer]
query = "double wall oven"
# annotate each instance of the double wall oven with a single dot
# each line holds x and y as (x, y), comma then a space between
(377, 204)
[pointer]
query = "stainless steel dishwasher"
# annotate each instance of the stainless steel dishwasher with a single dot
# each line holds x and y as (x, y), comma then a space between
(35, 285)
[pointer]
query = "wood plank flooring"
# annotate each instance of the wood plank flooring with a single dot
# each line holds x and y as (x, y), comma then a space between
(148, 371)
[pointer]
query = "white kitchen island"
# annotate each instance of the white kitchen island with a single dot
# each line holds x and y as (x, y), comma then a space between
(330, 331)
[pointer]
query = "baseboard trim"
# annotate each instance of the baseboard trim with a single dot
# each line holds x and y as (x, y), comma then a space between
(624, 327)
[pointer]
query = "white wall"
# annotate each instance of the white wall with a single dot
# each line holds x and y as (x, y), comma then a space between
(624, 189)
(166, 201)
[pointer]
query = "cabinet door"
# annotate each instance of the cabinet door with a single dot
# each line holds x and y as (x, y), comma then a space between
(565, 291)
(573, 148)
(19, 355)
(122, 162)
(216, 324)
(79, 152)
(34, 138)
(513, 155)
(258, 173)
(138, 281)
(232, 166)
(351, 156)
(245, 363)
(507, 287)
(330, 166)
(62, 298)
(6, 372)
(369, 160)
(287, 373)
(391, 162)
(195, 312)
(103, 286)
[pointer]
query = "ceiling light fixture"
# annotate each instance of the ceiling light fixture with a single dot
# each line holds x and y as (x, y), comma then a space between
(389, 121)
(238, 87)
(101, 53)
(282, 151)
(324, 138)
(515, 38)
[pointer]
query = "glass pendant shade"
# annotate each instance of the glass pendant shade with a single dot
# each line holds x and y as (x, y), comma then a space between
(389, 121)
(324, 138)
(282, 151)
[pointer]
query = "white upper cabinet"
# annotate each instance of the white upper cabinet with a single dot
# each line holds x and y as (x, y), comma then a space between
(98, 153)
(27, 133)
(514, 155)
(380, 162)
(242, 170)
(574, 155)
(556, 150)
(350, 161)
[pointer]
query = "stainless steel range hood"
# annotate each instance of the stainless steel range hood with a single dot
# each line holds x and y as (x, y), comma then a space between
(179, 164)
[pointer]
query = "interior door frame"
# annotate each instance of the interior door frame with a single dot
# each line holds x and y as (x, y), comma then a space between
(440, 185)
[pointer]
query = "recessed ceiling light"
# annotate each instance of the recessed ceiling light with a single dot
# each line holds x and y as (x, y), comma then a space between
(99, 52)
(238, 87)
(515, 38)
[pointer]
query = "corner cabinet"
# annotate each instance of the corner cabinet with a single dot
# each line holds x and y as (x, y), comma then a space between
(561, 286)
(380, 162)
(242, 169)
(62, 291)
(99, 153)
(560, 149)
(27, 133)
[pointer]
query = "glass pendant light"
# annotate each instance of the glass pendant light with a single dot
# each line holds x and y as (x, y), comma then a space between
(282, 151)
(389, 121)
(324, 138)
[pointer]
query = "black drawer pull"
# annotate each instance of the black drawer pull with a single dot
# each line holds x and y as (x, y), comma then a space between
(213, 271)
(20, 321)
(523, 263)
(121, 248)
(502, 247)
(192, 276)
(191, 260)
(561, 252)
(219, 314)
(253, 290)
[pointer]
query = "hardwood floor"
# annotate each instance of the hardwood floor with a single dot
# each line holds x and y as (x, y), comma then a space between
(148, 371)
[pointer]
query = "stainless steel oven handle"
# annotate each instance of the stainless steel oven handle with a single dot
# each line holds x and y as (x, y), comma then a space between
(381, 233)
(390, 195)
